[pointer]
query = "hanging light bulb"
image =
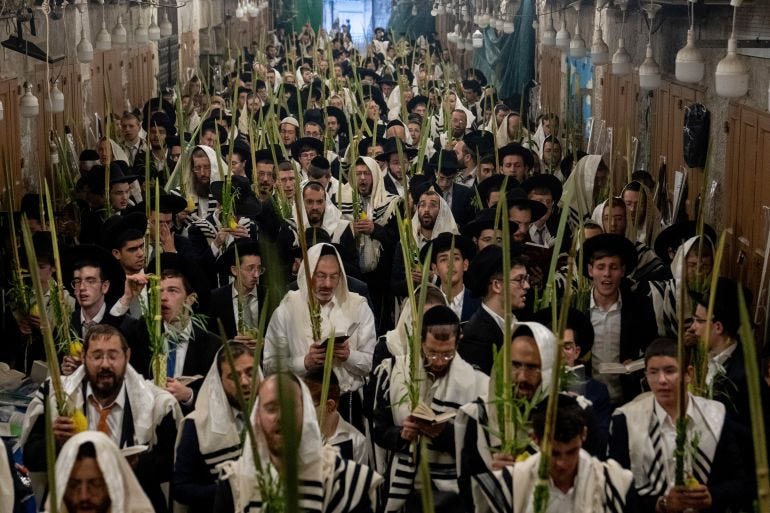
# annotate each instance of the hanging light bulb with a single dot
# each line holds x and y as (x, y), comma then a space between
(621, 59)
(732, 75)
(119, 32)
(414, 9)
(2, 111)
(649, 72)
(690, 66)
(600, 52)
(103, 39)
(577, 45)
(55, 101)
(239, 13)
(563, 37)
(166, 29)
(252, 10)
(434, 10)
(28, 104)
(478, 39)
(508, 27)
(441, 9)
(548, 35)
(85, 49)
(153, 33)
(141, 36)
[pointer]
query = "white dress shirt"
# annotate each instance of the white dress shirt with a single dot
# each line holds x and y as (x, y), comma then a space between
(114, 419)
(96, 318)
(457, 303)
(606, 348)
(178, 340)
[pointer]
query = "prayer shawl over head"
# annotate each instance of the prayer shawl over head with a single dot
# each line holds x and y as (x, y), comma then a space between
(381, 204)
(344, 312)
(503, 138)
(332, 222)
(397, 339)
(126, 495)
(651, 462)
(665, 294)
(149, 404)
(599, 486)
(327, 483)
(477, 425)
(445, 222)
(459, 386)
(219, 439)
(181, 179)
(582, 183)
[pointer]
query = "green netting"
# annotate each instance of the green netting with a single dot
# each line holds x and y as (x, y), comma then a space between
(402, 21)
(508, 60)
(306, 11)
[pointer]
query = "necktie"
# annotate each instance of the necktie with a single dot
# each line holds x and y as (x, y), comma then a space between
(250, 315)
(171, 363)
(86, 326)
(102, 425)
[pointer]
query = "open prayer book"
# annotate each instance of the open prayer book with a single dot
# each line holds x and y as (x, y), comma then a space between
(342, 336)
(619, 368)
(423, 412)
(186, 380)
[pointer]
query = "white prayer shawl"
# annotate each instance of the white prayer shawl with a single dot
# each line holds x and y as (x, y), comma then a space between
(502, 137)
(183, 175)
(219, 438)
(327, 483)
(149, 404)
(651, 463)
(297, 341)
(538, 139)
(381, 205)
(445, 222)
(461, 385)
(126, 494)
(393, 101)
(470, 117)
(332, 222)
(664, 295)
(484, 417)
(582, 182)
(599, 486)
(397, 339)
(6, 482)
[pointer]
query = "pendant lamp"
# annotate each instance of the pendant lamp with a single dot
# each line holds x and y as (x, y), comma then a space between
(732, 74)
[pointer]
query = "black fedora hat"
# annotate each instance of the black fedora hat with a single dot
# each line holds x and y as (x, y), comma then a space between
(390, 146)
(516, 149)
(246, 203)
(495, 183)
(339, 115)
(443, 242)
(480, 142)
(244, 247)
(544, 181)
(613, 244)
(266, 154)
(306, 142)
(676, 234)
(168, 203)
(120, 173)
(487, 263)
(445, 162)
(194, 275)
(417, 100)
(419, 185)
(485, 220)
(518, 198)
(121, 228)
(82, 255)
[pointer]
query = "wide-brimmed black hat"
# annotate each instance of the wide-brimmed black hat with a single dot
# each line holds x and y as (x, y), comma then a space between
(726, 303)
(244, 246)
(92, 255)
(415, 101)
(339, 115)
(366, 72)
(118, 229)
(475, 74)
(495, 183)
(516, 149)
(193, 273)
(544, 181)
(487, 263)
(485, 220)
(676, 234)
(162, 120)
(518, 198)
(613, 244)
(157, 105)
(480, 142)
(443, 242)
(266, 154)
(314, 116)
(419, 185)
(306, 142)
(169, 203)
(245, 202)
(390, 146)
(445, 162)
(211, 124)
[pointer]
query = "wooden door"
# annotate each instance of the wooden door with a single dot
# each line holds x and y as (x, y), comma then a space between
(10, 142)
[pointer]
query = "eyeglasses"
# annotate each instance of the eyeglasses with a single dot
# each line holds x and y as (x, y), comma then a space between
(521, 279)
(254, 268)
(92, 485)
(110, 356)
(526, 368)
(433, 357)
(88, 282)
(198, 169)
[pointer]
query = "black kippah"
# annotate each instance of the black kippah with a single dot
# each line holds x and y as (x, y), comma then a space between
(439, 316)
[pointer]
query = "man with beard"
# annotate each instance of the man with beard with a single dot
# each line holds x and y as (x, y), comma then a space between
(94, 477)
(160, 127)
(328, 482)
(623, 321)
(523, 211)
(289, 342)
(115, 400)
(202, 168)
(445, 382)
(483, 333)
(264, 174)
(289, 129)
(211, 434)
(236, 305)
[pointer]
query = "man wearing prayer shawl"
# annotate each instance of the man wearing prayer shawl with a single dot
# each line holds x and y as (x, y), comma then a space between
(327, 482)
(578, 482)
(211, 434)
(533, 350)
(93, 475)
(642, 439)
(289, 340)
(115, 400)
(192, 177)
(445, 383)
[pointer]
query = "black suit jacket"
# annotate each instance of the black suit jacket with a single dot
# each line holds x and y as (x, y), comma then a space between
(470, 304)
(390, 184)
(221, 309)
(480, 334)
(637, 329)
(462, 204)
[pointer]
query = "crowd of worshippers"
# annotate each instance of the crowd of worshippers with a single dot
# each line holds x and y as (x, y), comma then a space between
(316, 194)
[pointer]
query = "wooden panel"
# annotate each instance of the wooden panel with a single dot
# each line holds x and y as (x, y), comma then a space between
(98, 86)
(550, 80)
(188, 59)
(10, 142)
(621, 94)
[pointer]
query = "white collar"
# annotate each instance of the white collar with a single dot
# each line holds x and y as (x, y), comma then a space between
(96, 318)
(725, 354)
(617, 305)
(119, 401)
(179, 336)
